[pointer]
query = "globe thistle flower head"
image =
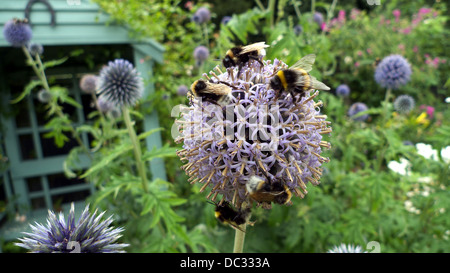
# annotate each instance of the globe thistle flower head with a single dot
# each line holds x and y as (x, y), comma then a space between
(225, 20)
(17, 32)
(343, 248)
(201, 54)
(318, 18)
(343, 90)
(182, 90)
(404, 104)
(44, 96)
(88, 83)
(202, 15)
(393, 72)
(89, 234)
(120, 83)
(298, 29)
(355, 108)
(252, 135)
(35, 49)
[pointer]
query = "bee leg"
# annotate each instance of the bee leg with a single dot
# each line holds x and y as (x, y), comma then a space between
(256, 59)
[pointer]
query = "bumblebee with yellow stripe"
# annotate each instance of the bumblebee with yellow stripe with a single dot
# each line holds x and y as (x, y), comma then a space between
(240, 55)
(296, 79)
(217, 93)
(227, 215)
(266, 191)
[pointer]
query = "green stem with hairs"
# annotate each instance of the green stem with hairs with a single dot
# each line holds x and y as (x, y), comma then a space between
(41, 74)
(136, 148)
(239, 237)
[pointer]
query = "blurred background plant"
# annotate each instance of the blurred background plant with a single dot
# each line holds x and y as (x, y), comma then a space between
(388, 177)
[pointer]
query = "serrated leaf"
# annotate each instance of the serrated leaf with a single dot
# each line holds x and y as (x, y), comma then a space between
(53, 63)
(107, 159)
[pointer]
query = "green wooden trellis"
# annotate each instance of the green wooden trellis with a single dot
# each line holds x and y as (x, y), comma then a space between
(77, 23)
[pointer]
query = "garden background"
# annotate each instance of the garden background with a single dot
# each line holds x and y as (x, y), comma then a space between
(388, 176)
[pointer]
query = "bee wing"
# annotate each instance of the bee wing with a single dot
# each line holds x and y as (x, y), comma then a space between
(315, 84)
(253, 47)
(217, 89)
(305, 63)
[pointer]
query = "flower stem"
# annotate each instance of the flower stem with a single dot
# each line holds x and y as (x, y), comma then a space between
(239, 239)
(41, 74)
(136, 148)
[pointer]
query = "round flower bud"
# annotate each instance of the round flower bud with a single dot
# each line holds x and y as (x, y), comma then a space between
(404, 104)
(120, 83)
(343, 90)
(298, 29)
(201, 53)
(202, 15)
(17, 32)
(35, 49)
(355, 108)
(318, 18)
(182, 90)
(225, 20)
(88, 83)
(253, 135)
(393, 72)
(343, 248)
(44, 96)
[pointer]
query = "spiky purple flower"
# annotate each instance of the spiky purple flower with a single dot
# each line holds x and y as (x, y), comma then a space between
(343, 90)
(298, 29)
(17, 32)
(252, 135)
(88, 235)
(120, 83)
(356, 108)
(202, 15)
(393, 72)
(88, 83)
(225, 20)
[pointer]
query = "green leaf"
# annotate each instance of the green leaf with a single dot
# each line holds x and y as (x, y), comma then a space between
(27, 90)
(107, 159)
(54, 62)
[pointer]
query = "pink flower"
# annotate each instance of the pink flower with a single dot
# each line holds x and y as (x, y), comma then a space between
(406, 30)
(401, 46)
(341, 16)
(369, 51)
(430, 110)
(359, 53)
(354, 13)
(357, 64)
(436, 61)
(324, 27)
(423, 11)
(415, 49)
(396, 13)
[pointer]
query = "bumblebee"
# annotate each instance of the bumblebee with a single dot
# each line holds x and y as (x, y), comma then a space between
(227, 215)
(262, 190)
(296, 80)
(240, 55)
(217, 93)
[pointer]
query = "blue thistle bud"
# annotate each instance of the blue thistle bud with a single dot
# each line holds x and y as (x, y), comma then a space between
(35, 49)
(253, 135)
(44, 96)
(343, 90)
(318, 18)
(182, 90)
(355, 108)
(88, 235)
(225, 20)
(201, 54)
(104, 105)
(88, 83)
(17, 32)
(404, 104)
(393, 72)
(120, 83)
(298, 29)
(202, 15)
